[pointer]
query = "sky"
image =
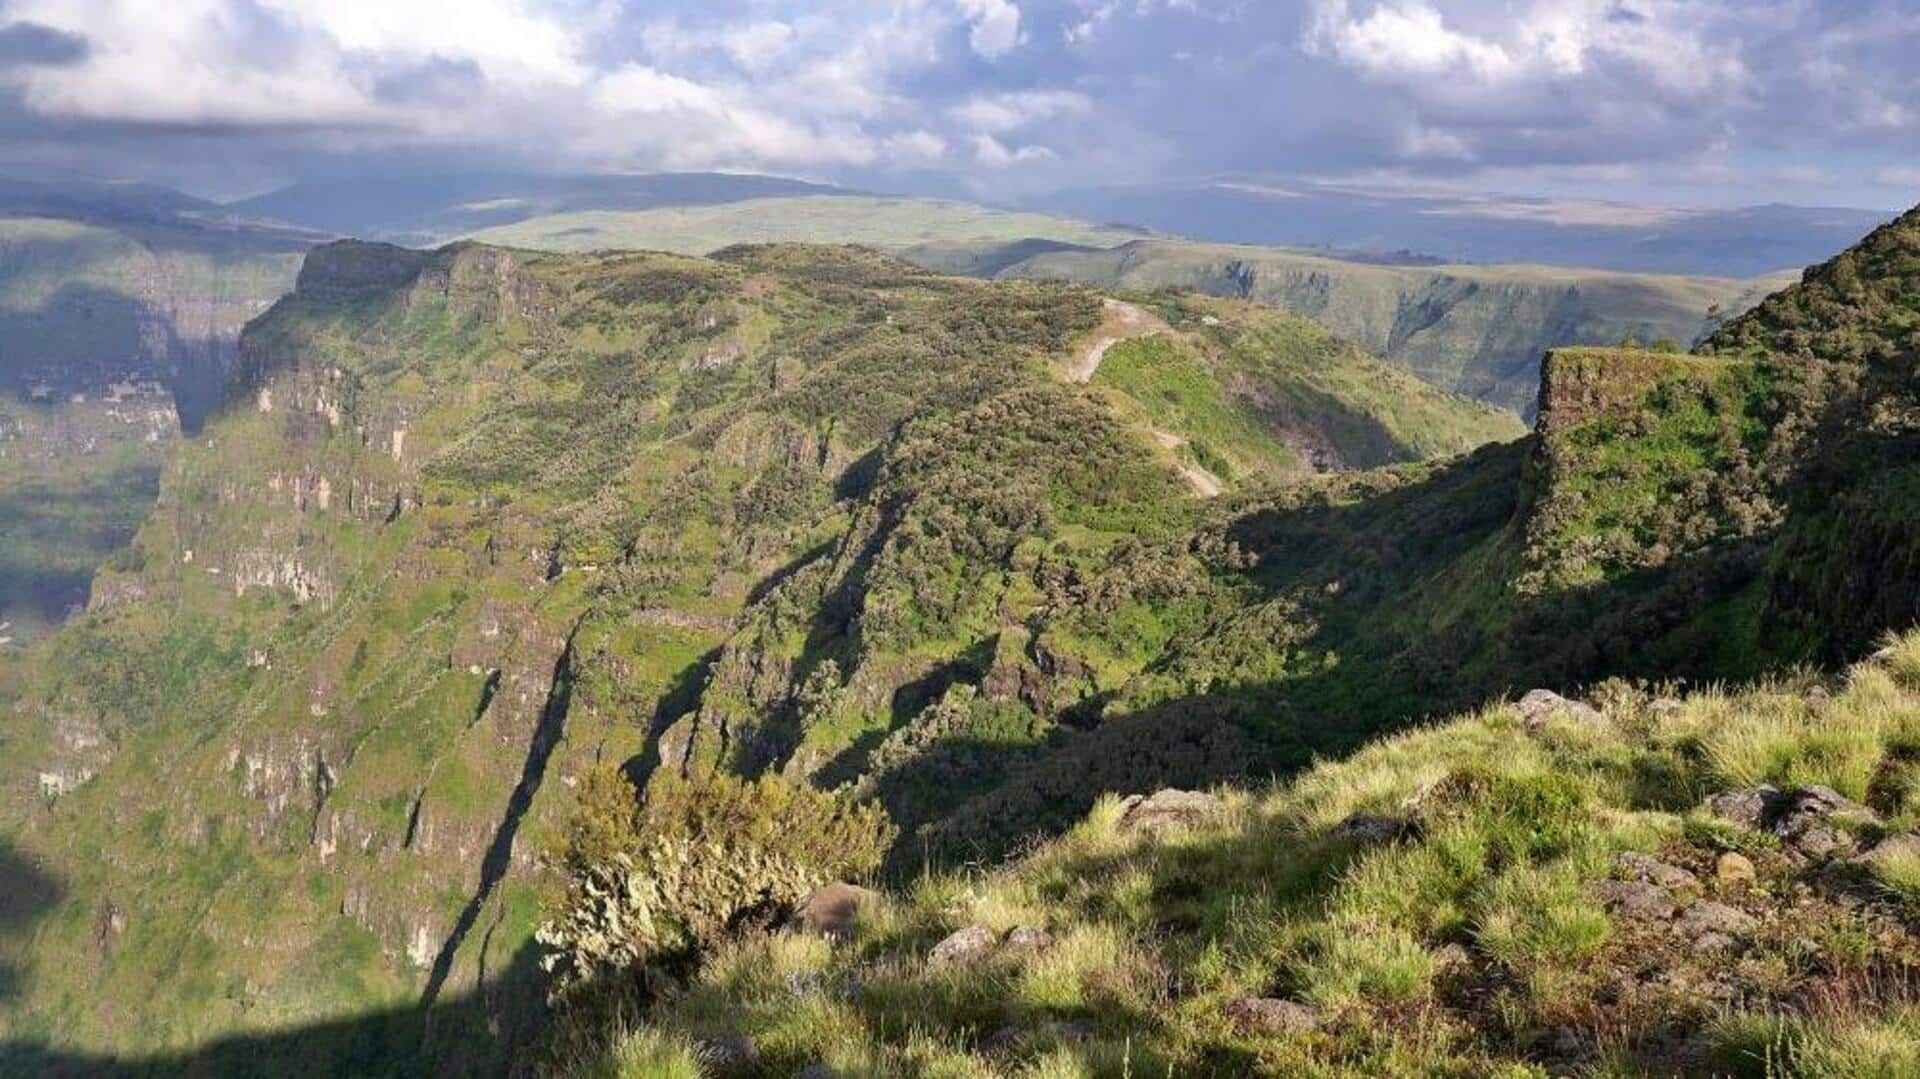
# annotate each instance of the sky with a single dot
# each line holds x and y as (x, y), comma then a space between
(1663, 102)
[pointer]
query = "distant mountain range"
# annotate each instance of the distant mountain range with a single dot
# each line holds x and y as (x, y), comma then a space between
(1744, 242)
(1357, 224)
(423, 210)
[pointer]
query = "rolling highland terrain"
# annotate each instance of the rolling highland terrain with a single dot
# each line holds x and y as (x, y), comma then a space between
(959, 539)
(530, 635)
(122, 305)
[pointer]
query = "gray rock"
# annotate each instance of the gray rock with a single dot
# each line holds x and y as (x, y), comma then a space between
(1748, 807)
(832, 910)
(1542, 705)
(963, 945)
(1714, 942)
(1006, 1040)
(727, 1053)
(1634, 899)
(1805, 822)
(1271, 1015)
(1707, 917)
(1904, 845)
(1819, 843)
(1644, 867)
(1028, 938)
(1371, 828)
(1012, 1039)
(1167, 808)
(1823, 801)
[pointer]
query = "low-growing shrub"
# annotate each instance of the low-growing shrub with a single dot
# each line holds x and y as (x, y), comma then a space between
(694, 862)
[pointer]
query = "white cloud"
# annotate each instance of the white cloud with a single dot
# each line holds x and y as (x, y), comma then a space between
(995, 25)
(693, 125)
(758, 46)
(1105, 90)
(995, 154)
(916, 147)
(185, 63)
(1405, 39)
(1473, 78)
(1001, 113)
(506, 40)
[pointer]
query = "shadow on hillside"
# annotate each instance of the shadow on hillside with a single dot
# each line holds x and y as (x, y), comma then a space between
(27, 894)
(83, 338)
(1397, 608)
(478, 1034)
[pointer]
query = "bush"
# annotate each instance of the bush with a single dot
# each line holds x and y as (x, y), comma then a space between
(694, 863)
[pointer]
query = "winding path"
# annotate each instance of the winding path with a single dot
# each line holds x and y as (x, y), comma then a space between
(1123, 322)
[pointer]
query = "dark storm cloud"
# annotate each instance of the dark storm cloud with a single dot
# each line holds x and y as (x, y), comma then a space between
(26, 43)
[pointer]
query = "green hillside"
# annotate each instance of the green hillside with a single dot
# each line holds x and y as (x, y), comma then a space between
(1540, 888)
(637, 595)
(1716, 884)
(888, 223)
(478, 522)
(1474, 330)
(1471, 329)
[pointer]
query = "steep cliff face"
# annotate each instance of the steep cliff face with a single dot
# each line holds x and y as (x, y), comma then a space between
(116, 332)
(474, 521)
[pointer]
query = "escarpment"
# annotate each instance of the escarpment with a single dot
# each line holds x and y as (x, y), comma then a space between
(475, 524)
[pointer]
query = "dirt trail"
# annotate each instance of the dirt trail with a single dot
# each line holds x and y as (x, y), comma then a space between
(1123, 322)
(1204, 483)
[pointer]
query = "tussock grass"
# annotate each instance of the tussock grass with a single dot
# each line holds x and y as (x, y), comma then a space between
(1472, 944)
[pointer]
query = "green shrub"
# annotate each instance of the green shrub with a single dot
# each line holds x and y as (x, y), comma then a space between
(697, 862)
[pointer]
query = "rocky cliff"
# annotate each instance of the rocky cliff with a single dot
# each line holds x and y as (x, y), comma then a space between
(476, 521)
(117, 330)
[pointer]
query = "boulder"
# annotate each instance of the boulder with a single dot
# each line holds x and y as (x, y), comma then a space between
(1805, 822)
(1707, 917)
(964, 945)
(1271, 1015)
(832, 910)
(1028, 938)
(1010, 1039)
(1542, 705)
(1748, 807)
(1372, 828)
(1904, 845)
(1167, 808)
(727, 1054)
(1648, 869)
(1634, 899)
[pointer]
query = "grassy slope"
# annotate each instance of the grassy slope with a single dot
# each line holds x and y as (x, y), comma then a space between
(889, 223)
(1711, 516)
(1475, 330)
(1475, 944)
(561, 494)
(1237, 386)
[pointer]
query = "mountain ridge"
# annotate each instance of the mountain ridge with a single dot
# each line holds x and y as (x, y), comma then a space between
(474, 520)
